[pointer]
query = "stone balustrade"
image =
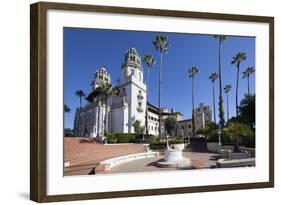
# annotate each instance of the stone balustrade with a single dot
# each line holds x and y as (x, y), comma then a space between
(227, 163)
(108, 164)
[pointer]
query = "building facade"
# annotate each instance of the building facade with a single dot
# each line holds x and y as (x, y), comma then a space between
(203, 116)
(120, 111)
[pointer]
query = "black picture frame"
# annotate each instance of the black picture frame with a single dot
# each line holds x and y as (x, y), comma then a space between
(38, 102)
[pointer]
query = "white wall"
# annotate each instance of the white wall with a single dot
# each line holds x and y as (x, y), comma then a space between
(153, 123)
(14, 104)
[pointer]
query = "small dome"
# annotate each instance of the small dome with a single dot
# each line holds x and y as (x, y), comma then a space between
(103, 68)
(133, 50)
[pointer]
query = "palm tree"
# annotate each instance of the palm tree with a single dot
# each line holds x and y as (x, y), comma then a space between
(221, 39)
(213, 77)
(227, 89)
(246, 74)
(161, 44)
(103, 92)
(192, 72)
(149, 61)
(80, 94)
(237, 130)
(66, 108)
(237, 60)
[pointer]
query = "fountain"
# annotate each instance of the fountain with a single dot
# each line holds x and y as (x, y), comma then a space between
(173, 157)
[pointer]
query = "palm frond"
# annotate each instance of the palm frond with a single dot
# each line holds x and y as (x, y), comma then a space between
(193, 71)
(79, 93)
(161, 43)
(238, 58)
(214, 76)
(149, 60)
(227, 88)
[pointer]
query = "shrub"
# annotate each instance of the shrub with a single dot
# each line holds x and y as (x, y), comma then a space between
(111, 138)
(125, 137)
(176, 141)
(157, 145)
(197, 139)
(213, 138)
(248, 141)
(120, 137)
(226, 139)
(152, 138)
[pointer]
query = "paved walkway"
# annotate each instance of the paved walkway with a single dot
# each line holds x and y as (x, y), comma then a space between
(83, 157)
(198, 161)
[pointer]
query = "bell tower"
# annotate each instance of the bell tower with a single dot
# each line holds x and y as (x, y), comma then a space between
(132, 65)
(101, 77)
(133, 87)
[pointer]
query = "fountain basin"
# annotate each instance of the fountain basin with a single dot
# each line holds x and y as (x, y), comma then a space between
(173, 158)
(173, 155)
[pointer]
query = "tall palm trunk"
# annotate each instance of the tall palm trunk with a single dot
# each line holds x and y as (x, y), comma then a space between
(159, 94)
(227, 107)
(248, 85)
(193, 117)
(221, 113)
(98, 124)
(146, 111)
(237, 82)
(105, 118)
(80, 101)
(214, 103)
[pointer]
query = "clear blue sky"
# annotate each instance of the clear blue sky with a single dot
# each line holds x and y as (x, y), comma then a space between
(85, 50)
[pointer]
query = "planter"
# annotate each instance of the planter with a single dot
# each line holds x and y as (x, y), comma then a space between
(179, 147)
(213, 146)
(239, 155)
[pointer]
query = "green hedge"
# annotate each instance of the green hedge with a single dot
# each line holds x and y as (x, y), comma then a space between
(157, 145)
(120, 137)
(176, 141)
(111, 138)
(213, 138)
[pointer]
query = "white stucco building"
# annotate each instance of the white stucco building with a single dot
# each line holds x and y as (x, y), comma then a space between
(123, 110)
(203, 116)
(128, 106)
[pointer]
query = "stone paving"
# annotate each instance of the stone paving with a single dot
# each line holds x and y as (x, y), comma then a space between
(198, 161)
(83, 157)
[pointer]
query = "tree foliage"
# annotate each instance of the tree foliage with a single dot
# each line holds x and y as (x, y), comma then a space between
(247, 110)
(137, 127)
(170, 125)
(80, 94)
(237, 60)
(237, 130)
(66, 108)
(221, 39)
(210, 131)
